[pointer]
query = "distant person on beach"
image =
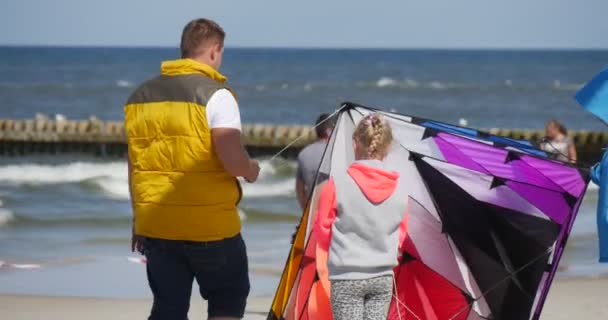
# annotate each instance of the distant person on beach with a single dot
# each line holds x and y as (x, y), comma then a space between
(185, 154)
(558, 143)
(310, 157)
(358, 223)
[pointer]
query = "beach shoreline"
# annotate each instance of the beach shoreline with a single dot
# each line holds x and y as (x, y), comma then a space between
(581, 298)
(24, 307)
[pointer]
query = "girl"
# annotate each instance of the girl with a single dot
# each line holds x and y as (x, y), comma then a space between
(558, 143)
(357, 224)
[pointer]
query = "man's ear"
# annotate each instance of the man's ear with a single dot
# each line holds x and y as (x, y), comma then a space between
(213, 53)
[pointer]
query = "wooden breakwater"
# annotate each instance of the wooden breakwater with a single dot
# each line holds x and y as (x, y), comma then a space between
(108, 139)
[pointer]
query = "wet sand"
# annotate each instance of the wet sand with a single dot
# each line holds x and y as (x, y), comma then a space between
(568, 299)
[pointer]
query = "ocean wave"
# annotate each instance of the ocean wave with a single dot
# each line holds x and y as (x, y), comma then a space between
(59, 87)
(386, 82)
(124, 84)
(38, 86)
(110, 178)
(111, 187)
(284, 187)
(6, 217)
(558, 85)
(278, 167)
(507, 84)
(96, 219)
(65, 173)
(92, 220)
(252, 215)
(389, 83)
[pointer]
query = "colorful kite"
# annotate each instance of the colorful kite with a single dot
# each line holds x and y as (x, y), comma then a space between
(488, 219)
(594, 96)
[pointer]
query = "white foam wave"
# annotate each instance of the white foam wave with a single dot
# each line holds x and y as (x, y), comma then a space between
(411, 83)
(111, 177)
(115, 188)
(242, 214)
(437, 85)
(267, 170)
(124, 84)
(283, 187)
(268, 183)
(6, 216)
(386, 82)
(66, 173)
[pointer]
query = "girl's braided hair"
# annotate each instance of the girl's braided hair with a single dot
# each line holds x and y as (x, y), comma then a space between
(375, 136)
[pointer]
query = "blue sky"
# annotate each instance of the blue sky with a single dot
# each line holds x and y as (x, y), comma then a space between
(312, 23)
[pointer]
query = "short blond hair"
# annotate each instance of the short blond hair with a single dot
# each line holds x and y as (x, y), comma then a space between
(374, 135)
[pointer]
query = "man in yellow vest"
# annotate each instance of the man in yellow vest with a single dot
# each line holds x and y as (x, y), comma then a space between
(185, 154)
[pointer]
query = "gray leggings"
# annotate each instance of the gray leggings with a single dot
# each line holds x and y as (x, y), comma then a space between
(361, 299)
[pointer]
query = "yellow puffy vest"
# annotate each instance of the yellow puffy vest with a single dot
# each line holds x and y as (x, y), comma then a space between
(180, 190)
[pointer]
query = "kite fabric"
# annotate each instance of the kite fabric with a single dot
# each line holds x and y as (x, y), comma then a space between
(487, 223)
(594, 96)
(599, 175)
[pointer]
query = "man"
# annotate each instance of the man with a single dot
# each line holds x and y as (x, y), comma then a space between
(309, 158)
(185, 152)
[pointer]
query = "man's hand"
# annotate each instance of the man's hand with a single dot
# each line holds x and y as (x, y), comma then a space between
(254, 171)
(136, 242)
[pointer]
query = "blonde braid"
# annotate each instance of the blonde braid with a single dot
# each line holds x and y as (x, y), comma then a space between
(375, 136)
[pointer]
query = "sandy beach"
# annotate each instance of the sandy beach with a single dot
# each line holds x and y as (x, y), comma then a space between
(569, 299)
(14, 307)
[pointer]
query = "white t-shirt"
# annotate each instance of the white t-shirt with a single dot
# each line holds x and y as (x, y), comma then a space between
(223, 111)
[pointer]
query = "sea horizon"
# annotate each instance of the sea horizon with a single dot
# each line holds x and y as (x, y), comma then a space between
(319, 48)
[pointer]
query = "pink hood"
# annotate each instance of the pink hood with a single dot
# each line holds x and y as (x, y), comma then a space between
(376, 184)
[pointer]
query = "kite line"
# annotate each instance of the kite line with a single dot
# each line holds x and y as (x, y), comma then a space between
(302, 135)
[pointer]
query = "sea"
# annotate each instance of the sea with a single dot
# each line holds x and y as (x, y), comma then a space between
(65, 220)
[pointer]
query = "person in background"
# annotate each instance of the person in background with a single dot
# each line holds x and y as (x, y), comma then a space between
(558, 143)
(310, 157)
(185, 154)
(359, 223)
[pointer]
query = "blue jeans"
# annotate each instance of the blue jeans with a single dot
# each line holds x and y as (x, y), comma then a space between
(219, 267)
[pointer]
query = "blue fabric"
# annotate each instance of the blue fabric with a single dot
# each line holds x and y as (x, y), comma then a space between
(450, 128)
(522, 145)
(594, 96)
(599, 175)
